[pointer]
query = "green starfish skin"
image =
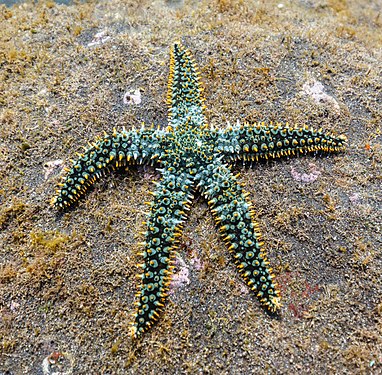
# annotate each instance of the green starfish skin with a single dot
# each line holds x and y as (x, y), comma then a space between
(193, 156)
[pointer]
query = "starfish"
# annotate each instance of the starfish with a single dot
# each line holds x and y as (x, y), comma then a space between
(193, 156)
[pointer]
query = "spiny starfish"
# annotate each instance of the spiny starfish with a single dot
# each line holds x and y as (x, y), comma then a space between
(193, 156)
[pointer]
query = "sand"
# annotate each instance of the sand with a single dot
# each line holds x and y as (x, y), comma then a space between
(67, 281)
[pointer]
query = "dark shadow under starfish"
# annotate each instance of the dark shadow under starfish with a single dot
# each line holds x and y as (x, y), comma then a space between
(193, 156)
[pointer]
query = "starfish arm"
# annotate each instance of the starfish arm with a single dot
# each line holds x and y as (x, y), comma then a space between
(233, 213)
(259, 141)
(107, 153)
(184, 96)
(172, 198)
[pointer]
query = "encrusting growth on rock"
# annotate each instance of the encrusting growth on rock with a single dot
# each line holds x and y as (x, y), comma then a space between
(193, 156)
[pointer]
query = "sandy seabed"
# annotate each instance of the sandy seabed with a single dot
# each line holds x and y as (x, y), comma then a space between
(67, 281)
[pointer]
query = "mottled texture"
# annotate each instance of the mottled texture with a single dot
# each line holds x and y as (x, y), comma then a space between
(67, 279)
